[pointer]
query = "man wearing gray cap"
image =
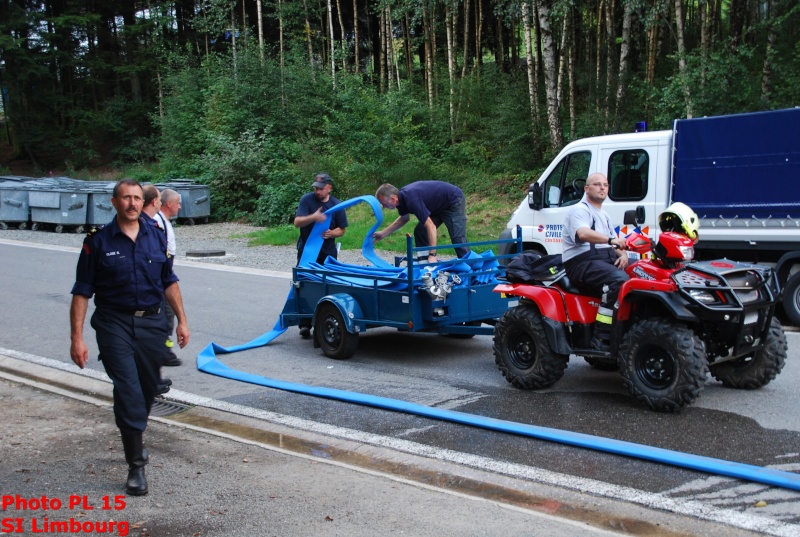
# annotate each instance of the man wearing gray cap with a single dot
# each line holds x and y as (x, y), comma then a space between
(310, 211)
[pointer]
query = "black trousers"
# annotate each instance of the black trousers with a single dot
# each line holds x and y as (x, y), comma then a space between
(594, 273)
(131, 350)
(454, 219)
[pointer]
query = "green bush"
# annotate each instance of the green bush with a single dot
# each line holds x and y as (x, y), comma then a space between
(277, 203)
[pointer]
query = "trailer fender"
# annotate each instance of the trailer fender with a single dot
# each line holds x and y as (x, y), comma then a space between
(349, 308)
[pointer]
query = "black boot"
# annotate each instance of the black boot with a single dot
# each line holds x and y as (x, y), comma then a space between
(135, 456)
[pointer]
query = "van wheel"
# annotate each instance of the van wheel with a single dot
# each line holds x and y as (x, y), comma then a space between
(331, 333)
(791, 299)
(663, 364)
(751, 372)
(522, 352)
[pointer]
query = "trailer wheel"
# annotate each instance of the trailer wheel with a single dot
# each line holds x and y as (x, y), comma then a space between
(35, 226)
(3, 226)
(791, 299)
(22, 225)
(59, 228)
(751, 372)
(331, 333)
(522, 352)
(663, 364)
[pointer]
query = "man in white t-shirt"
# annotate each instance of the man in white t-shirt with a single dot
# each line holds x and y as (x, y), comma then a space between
(594, 256)
(170, 206)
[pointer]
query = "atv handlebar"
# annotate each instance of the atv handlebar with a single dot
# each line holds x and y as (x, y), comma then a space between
(641, 244)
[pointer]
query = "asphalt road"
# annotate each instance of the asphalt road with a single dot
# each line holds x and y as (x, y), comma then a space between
(231, 307)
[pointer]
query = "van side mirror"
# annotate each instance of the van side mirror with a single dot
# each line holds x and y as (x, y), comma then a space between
(535, 196)
(634, 216)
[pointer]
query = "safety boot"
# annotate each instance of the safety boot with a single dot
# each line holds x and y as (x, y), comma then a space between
(135, 456)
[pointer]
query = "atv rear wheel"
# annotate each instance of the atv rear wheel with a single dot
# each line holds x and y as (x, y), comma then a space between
(522, 352)
(757, 370)
(663, 364)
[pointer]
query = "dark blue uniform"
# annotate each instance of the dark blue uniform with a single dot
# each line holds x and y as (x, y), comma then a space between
(309, 204)
(127, 280)
(443, 203)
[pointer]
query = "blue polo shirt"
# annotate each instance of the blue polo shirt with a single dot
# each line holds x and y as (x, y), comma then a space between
(427, 198)
(309, 204)
(123, 274)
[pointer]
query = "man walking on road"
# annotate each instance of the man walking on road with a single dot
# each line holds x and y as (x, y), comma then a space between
(126, 267)
(170, 207)
(151, 206)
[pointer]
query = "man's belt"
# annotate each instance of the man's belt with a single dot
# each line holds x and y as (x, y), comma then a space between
(146, 313)
(155, 310)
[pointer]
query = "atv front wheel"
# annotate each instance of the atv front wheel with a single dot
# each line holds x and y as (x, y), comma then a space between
(751, 372)
(522, 352)
(663, 364)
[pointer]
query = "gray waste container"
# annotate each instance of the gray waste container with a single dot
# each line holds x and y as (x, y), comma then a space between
(195, 200)
(100, 210)
(14, 208)
(59, 206)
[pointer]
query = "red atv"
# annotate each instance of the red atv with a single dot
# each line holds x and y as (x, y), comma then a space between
(677, 320)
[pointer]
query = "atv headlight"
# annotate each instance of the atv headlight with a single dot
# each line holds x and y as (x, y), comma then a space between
(687, 252)
(704, 297)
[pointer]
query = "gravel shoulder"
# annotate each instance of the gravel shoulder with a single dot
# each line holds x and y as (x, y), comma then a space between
(228, 237)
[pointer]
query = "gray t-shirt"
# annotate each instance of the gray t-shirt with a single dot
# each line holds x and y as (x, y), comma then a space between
(584, 215)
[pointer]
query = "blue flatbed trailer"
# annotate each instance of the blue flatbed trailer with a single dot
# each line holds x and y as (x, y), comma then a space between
(342, 304)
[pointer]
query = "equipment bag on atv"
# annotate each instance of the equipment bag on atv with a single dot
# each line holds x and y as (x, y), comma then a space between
(530, 267)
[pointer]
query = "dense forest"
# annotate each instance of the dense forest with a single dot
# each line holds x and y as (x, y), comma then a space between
(255, 96)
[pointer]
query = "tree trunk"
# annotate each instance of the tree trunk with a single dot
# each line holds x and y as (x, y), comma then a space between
(308, 37)
(533, 101)
(679, 21)
(466, 38)
(599, 46)
(355, 36)
(652, 45)
(426, 28)
(610, 5)
(562, 62)
(392, 53)
(280, 39)
(500, 53)
(549, 62)
(407, 46)
(451, 68)
(341, 31)
(261, 32)
(333, 44)
(736, 17)
(382, 50)
(624, 53)
(772, 38)
(571, 68)
(479, 34)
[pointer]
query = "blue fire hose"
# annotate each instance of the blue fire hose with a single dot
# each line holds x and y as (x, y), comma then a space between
(208, 362)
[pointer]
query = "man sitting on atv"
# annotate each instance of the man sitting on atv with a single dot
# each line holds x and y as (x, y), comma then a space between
(594, 256)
